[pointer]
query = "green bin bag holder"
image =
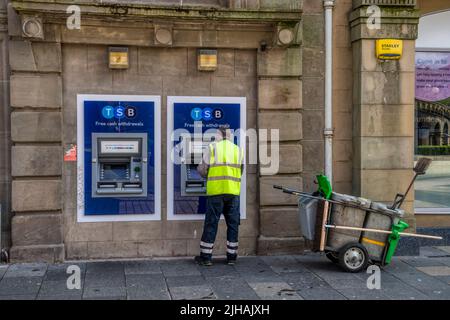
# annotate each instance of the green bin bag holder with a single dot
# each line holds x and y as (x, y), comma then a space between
(324, 186)
(394, 238)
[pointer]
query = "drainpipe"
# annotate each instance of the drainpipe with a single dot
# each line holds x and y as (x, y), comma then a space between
(328, 131)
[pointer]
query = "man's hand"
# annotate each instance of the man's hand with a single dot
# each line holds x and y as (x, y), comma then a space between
(202, 169)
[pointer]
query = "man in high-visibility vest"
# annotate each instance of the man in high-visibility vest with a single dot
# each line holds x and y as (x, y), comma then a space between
(222, 165)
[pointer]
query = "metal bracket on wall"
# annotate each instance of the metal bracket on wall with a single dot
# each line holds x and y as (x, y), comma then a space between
(328, 133)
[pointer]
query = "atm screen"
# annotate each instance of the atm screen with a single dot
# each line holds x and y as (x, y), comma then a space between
(114, 172)
(119, 146)
(194, 175)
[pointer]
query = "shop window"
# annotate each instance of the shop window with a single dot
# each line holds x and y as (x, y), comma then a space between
(432, 109)
(432, 121)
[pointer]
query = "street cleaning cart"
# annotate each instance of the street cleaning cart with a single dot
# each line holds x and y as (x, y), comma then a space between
(353, 231)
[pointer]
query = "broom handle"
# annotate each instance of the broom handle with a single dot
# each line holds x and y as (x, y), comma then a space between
(323, 228)
(406, 234)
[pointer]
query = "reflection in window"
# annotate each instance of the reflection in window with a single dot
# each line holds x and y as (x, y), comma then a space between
(432, 191)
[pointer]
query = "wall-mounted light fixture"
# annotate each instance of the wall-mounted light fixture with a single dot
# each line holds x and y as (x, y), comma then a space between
(118, 58)
(207, 60)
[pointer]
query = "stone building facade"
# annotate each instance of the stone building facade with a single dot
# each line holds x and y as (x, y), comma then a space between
(44, 65)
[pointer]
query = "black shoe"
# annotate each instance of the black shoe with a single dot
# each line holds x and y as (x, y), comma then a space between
(231, 262)
(203, 261)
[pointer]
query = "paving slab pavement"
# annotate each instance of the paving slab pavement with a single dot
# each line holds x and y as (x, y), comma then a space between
(305, 277)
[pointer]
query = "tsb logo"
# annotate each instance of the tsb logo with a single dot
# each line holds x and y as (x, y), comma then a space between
(206, 114)
(119, 112)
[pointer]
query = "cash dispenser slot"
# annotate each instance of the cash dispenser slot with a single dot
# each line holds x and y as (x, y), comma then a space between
(131, 185)
(107, 185)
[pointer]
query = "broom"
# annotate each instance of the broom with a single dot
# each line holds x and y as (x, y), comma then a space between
(323, 208)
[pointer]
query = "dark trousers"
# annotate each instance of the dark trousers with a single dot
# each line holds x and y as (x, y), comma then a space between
(228, 205)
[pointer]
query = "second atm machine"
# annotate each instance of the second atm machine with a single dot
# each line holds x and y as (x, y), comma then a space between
(191, 182)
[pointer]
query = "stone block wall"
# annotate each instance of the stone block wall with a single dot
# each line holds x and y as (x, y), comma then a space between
(36, 153)
(295, 106)
(284, 85)
(153, 71)
(383, 108)
(48, 72)
(313, 79)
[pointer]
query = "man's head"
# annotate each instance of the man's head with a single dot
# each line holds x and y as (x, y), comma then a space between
(223, 133)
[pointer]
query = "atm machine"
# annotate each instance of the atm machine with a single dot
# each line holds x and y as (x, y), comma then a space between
(119, 165)
(192, 183)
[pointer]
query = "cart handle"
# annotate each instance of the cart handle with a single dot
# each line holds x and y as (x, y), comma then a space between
(406, 234)
(287, 190)
(297, 193)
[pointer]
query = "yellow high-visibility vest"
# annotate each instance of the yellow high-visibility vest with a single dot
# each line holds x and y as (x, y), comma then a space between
(224, 174)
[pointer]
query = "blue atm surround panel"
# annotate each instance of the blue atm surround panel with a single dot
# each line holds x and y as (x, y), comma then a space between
(119, 157)
(187, 194)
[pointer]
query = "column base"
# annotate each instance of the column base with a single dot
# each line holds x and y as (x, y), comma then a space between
(40, 253)
(279, 246)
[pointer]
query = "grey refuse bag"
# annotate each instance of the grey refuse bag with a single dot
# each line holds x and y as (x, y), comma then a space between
(307, 213)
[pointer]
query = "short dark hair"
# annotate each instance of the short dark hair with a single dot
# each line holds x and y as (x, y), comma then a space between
(223, 131)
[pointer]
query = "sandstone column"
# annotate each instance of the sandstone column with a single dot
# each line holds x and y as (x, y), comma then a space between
(279, 107)
(383, 103)
(36, 155)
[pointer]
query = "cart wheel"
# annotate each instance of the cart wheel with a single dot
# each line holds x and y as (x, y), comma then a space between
(332, 256)
(353, 257)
